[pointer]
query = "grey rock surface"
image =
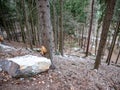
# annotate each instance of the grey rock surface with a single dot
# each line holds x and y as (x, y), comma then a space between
(24, 66)
(6, 48)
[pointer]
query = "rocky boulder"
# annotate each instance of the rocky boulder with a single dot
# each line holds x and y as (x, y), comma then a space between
(6, 48)
(24, 66)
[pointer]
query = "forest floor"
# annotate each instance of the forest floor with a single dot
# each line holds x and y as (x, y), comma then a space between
(72, 73)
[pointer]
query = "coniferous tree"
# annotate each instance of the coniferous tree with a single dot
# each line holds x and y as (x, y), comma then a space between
(105, 28)
(46, 29)
(90, 28)
(113, 42)
(61, 28)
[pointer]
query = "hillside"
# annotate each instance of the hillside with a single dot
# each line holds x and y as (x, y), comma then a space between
(71, 73)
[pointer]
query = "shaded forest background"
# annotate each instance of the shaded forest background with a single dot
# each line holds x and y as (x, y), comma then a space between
(75, 24)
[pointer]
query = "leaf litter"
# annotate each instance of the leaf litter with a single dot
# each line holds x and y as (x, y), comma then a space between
(71, 73)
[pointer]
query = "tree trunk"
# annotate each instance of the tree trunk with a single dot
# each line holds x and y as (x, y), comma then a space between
(31, 6)
(21, 25)
(105, 29)
(46, 28)
(58, 29)
(11, 30)
(54, 26)
(96, 40)
(29, 38)
(15, 31)
(9, 36)
(82, 39)
(22, 32)
(32, 31)
(38, 25)
(61, 28)
(113, 43)
(117, 57)
(90, 29)
(118, 41)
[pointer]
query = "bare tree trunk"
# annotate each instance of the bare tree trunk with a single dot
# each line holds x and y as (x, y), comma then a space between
(17, 34)
(58, 29)
(38, 25)
(9, 36)
(82, 36)
(46, 28)
(54, 26)
(117, 57)
(31, 7)
(96, 40)
(61, 28)
(79, 33)
(5, 28)
(27, 25)
(105, 29)
(11, 30)
(113, 43)
(32, 31)
(118, 41)
(97, 32)
(22, 32)
(90, 29)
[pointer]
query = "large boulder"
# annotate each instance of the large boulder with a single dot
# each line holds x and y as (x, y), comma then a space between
(27, 65)
(10, 67)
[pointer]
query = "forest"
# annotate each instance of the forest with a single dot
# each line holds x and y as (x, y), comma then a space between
(59, 44)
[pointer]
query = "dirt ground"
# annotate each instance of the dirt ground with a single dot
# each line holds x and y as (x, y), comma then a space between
(71, 73)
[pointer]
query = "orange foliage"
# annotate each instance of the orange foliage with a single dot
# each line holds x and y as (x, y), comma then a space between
(43, 50)
(1, 38)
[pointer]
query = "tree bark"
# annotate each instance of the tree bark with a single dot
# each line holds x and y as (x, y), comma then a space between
(22, 32)
(105, 29)
(46, 28)
(90, 29)
(61, 28)
(82, 39)
(9, 36)
(117, 57)
(54, 26)
(27, 25)
(113, 43)
(38, 25)
(96, 40)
